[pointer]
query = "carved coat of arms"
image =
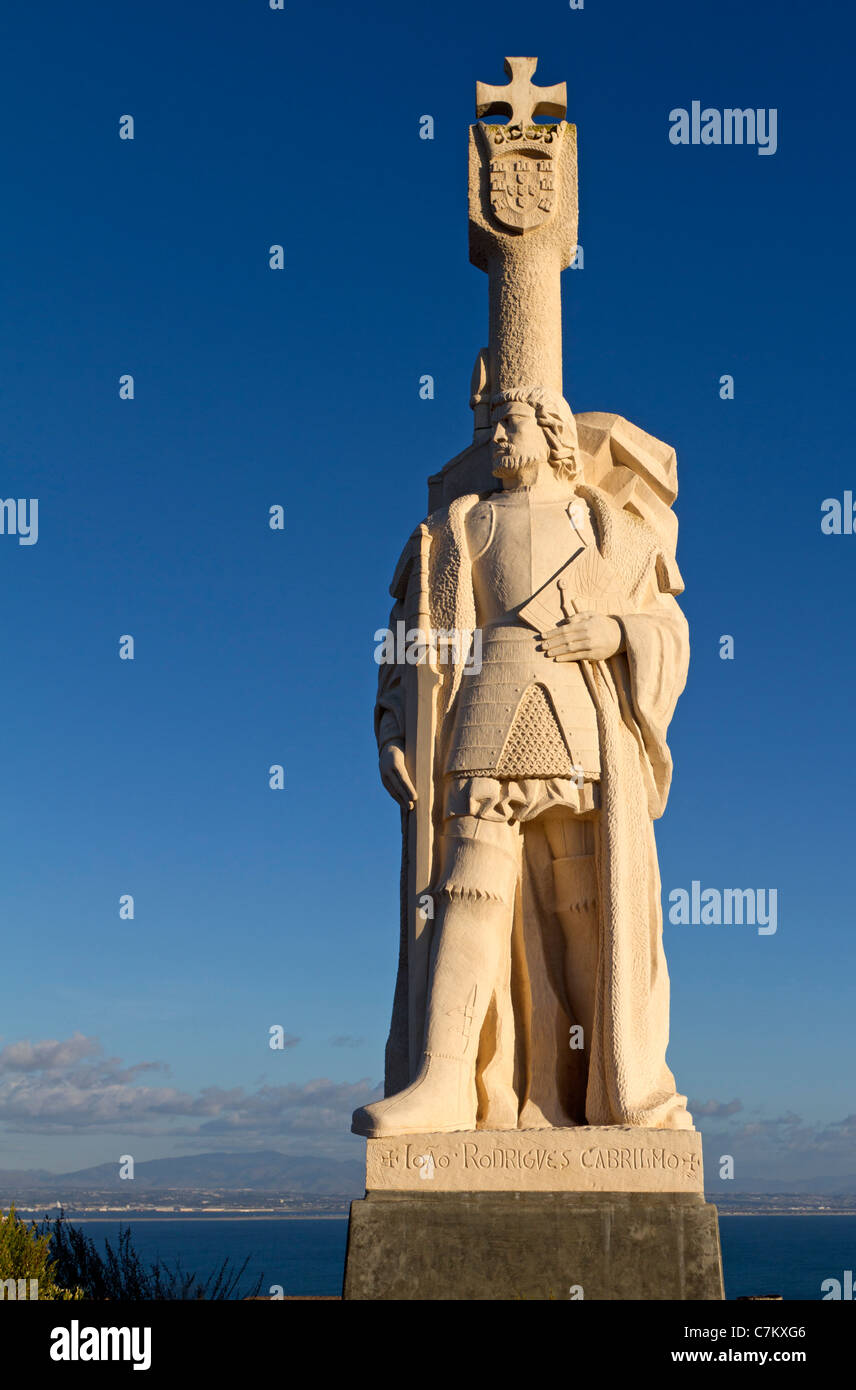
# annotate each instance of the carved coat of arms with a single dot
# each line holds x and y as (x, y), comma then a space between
(522, 174)
(522, 191)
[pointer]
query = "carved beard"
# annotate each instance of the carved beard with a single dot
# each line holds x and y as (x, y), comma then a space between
(521, 469)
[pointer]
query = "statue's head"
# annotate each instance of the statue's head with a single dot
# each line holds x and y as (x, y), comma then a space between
(532, 426)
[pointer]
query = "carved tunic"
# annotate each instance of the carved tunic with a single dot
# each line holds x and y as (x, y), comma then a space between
(523, 714)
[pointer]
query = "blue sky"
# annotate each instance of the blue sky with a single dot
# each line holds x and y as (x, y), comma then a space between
(255, 387)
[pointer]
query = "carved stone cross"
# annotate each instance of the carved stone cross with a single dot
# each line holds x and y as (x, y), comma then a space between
(523, 224)
(521, 100)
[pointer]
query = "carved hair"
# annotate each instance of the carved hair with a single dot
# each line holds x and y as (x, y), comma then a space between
(554, 415)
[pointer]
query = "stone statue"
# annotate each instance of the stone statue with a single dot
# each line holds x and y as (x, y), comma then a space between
(532, 990)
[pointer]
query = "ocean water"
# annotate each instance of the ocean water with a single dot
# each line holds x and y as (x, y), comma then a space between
(788, 1255)
(302, 1257)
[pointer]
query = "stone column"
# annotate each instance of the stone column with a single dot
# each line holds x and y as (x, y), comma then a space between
(523, 233)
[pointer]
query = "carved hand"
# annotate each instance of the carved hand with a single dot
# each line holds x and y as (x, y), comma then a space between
(395, 777)
(584, 637)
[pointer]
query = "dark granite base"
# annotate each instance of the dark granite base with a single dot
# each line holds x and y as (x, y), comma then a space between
(544, 1245)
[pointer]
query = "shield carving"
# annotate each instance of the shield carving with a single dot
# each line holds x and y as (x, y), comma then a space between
(522, 191)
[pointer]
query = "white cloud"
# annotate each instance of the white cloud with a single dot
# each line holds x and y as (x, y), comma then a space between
(70, 1087)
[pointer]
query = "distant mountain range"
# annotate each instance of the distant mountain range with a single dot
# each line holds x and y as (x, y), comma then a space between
(268, 1171)
(770, 1187)
(271, 1172)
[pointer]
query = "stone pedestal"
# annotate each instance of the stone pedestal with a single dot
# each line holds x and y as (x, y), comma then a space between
(541, 1214)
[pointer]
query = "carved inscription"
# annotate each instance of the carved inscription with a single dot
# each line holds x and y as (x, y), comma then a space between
(475, 1155)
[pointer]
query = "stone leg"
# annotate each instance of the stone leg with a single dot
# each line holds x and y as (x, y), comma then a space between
(562, 965)
(571, 843)
(472, 931)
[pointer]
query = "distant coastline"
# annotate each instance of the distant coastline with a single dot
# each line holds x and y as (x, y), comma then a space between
(225, 1206)
(189, 1217)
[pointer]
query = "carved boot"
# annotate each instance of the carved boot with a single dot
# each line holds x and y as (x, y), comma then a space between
(473, 929)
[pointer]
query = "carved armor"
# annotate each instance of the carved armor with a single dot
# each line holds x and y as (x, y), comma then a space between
(524, 714)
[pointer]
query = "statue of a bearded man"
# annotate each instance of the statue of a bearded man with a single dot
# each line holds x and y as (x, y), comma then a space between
(547, 990)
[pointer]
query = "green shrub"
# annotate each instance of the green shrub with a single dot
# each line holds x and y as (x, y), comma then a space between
(26, 1269)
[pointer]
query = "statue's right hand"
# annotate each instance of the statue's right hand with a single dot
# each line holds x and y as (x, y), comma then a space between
(395, 777)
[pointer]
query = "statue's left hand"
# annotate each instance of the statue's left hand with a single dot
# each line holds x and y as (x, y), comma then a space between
(394, 774)
(584, 637)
